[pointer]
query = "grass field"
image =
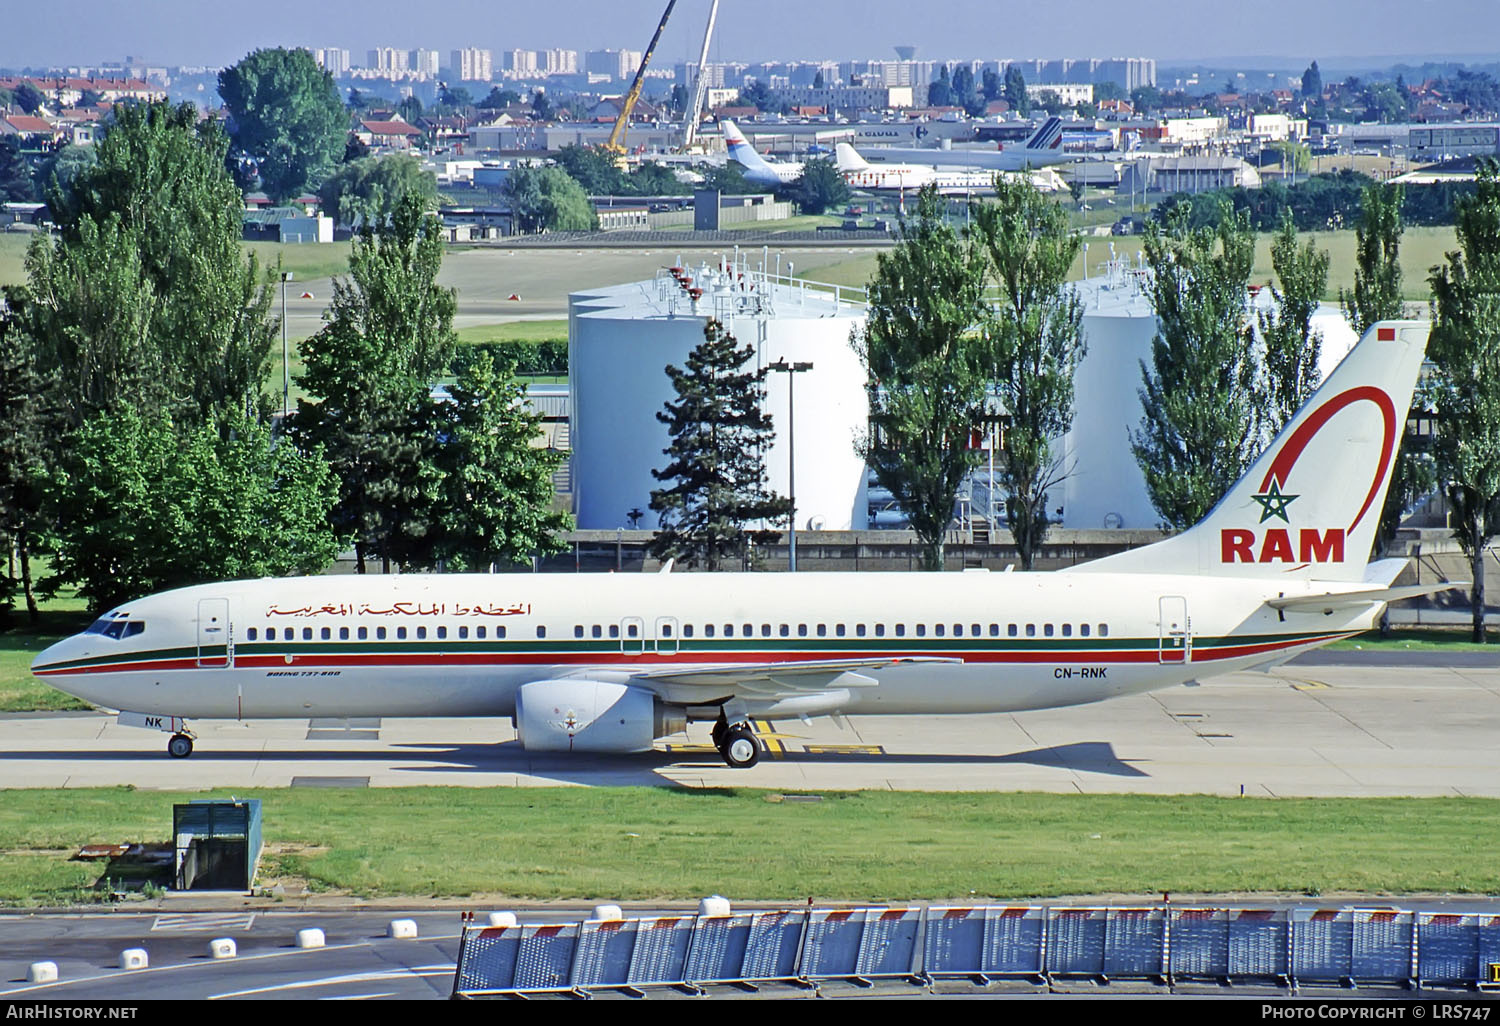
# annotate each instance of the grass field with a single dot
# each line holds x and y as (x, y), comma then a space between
(1421, 248)
(305, 262)
(515, 331)
(640, 844)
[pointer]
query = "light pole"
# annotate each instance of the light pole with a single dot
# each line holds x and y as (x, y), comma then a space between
(791, 370)
(286, 367)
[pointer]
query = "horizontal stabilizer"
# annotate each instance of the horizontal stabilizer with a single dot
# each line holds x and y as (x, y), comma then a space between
(1330, 601)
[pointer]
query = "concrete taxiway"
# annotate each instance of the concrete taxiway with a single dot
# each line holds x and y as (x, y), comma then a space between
(1310, 730)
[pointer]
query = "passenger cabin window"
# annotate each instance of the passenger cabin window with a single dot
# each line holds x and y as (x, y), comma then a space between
(921, 630)
(614, 630)
(900, 630)
(708, 630)
(307, 633)
(442, 633)
(343, 634)
(802, 630)
(541, 631)
(838, 630)
(250, 634)
(687, 630)
(1047, 630)
(1031, 630)
(379, 633)
(364, 632)
(822, 630)
(631, 631)
(597, 631)
(421, 633)
(463, 631)
(880, 630)
(1067, 630)
(666, 630)
(1104, 630)
(785, 631)
(400, 633)
(937, 629)
(974, 630)
(325, 634)
(1083, 630)
(578, 630)
(765, 630)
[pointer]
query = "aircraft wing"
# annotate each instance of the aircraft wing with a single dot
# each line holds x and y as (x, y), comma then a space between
(1332, 600)
(769, 680)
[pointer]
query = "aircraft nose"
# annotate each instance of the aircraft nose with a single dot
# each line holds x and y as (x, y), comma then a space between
(54, 655)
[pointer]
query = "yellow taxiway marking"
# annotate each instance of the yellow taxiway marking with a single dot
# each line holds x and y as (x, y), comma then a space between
(1311, 685)
(775, 742)
(843, 749)
(689, 748)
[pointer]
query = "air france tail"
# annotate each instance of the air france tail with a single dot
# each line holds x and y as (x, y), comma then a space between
(740, 150)
(1309, 507)
(1048, 137)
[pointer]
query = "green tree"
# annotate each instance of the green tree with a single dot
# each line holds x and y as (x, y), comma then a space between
(1203, 410)
(1145, 98)
(548, 199)
(29, 98)
(15, 172)
(1035, 331)
(818, 187)
(287, 116)
(146, 292)
(496, 498)
(499, 98)
(1015, 91)
(940, 93)
(715, 475)
(27, 439)
(368, 190)
(1465, 387)
(927, 369)
(593, 168)
(1292, 347)
(409, 109)
(140, 505)
(60, 169)
(389, 334)
(1377, 265)
(1312, 83)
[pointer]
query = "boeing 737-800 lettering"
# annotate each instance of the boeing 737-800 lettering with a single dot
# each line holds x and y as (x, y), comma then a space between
(612, 662)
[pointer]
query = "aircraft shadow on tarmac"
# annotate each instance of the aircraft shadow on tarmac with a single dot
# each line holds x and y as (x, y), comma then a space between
(646, 768)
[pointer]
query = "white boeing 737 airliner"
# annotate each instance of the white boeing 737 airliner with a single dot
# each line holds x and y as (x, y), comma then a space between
(611, 662)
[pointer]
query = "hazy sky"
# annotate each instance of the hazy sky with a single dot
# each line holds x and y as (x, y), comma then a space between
(175, 32)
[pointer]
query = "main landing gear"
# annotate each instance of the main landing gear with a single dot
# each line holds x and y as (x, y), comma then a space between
(737, 743)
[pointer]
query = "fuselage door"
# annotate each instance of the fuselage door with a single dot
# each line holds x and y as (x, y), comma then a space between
(215, 646)
(667, 635)
(1175, 642)
(632, 636)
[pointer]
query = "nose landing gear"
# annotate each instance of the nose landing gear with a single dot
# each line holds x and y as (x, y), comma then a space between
(180, 746)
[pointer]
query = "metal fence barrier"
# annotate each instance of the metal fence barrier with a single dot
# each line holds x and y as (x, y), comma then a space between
(811, 947)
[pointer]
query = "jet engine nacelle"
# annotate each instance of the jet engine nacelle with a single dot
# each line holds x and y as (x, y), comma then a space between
(591, 716)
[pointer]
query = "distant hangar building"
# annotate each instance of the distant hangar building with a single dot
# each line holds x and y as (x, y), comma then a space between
(621, 338)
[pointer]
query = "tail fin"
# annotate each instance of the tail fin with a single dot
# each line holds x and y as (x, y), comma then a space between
(1048, 137)
(1309, 506)
(740, 150)
(848, 158)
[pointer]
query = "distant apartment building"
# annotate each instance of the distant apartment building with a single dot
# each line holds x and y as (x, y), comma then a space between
(617, 64)
(1070, 94)
(424, 62)
(519, 63)
(472, 65)
(388, 59)
(558, 62)
(847, 98)
(332, 59)
(1126, 72)
(66, 92)
(887, 73)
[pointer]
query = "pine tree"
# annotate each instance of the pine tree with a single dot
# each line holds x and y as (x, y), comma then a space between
(1036, 334)
(1465, 389)
(1203, 408)
(927, 367)
(1292, 346)
(715, 470)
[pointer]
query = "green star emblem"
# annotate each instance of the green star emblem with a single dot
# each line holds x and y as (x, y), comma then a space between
(1273, 502)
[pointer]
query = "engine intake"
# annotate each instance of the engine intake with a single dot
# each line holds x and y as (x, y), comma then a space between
(591, 716)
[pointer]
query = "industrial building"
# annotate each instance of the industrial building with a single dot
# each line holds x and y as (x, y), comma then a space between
(621, 338)
(1105, 488)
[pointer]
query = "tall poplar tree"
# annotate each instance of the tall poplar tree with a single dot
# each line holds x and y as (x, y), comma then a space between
(1035, 331)
(1376, 295)
(1203, 407)
(1465, 388)
(27, 439)
(715, 475)
(1292, 346)
(388, 337)
(927, 365)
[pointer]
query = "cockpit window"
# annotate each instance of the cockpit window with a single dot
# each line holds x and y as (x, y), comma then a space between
(116, 626)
